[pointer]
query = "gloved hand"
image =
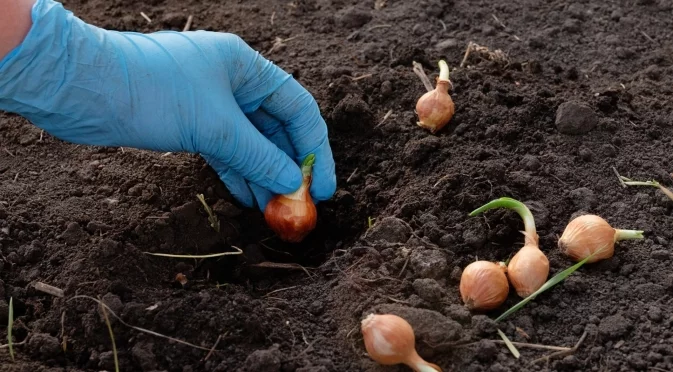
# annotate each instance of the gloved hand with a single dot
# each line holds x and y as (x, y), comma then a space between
(200, 92)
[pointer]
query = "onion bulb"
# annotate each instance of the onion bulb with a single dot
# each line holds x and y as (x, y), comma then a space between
(390, 340)
(483, 285)
(435, 108)
(528, 270)
(293, 216)
(592, 235)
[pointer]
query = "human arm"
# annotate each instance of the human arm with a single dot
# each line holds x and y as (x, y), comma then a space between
(14, 23)
(200, 92)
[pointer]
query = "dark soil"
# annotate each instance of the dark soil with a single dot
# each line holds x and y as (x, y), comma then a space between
(80, 218)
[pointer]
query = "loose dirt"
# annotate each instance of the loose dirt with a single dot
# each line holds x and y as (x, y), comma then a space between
(80, 218)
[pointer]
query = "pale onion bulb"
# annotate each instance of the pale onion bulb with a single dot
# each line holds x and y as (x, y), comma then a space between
(436, 108)
(528, 270)
(590, 234)
(483, 285)
(389, 340)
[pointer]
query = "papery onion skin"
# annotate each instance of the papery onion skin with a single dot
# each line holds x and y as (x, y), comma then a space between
(528, 270)
(293, 216)
(484, 285)
(435, 108)
(292, 220)
(389, 340)
(588, 234)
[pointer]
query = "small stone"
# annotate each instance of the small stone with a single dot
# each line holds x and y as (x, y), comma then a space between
(575, 118)
(429, 263)
(649, 292)
(386, 88)
(389, 229)
(608, 150)
(488, 30)
(33, 253)
(317, 307)
(614, 326)
(114, 303)
(428, 289)
(268, 360)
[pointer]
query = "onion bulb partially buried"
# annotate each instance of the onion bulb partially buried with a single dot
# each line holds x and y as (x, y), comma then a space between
(435, 108)
(590, 234)
(483, 285)
(293, 216)
(390, 340)
(529, 268)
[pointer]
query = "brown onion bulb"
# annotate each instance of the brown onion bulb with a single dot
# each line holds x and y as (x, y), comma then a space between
(435, 108)
(528, 270)
(483, 285)
(590, 234)
(293, 216)
(390, 340)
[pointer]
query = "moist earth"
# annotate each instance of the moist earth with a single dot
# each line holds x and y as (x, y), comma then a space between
(577, 89)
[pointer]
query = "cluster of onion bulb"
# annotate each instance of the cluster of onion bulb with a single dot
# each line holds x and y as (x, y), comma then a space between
(390, 340)
(293, 216)
(435, 108)
(484, 285)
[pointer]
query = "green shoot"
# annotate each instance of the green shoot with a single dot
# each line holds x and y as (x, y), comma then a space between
(238, 251)
(630, 182)
(550, 283)
(509, 344)
(518, 207)
(212, 218)
(370, 221)
(10, 324)
(112, 337)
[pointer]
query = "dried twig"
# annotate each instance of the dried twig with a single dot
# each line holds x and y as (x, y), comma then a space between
(385, 117)
(563, 353)
(279, 43)
(647, 36)
(64, 338)
(352, 175)
(214, 346)
(287, 266)
(188, 25)
(49, 289)
(134, 327)
(281, 290)
(8, 152)
(418, 70)
(619, 177)
(146, 17)
(360, 77)
(273, 15)
(378, 26)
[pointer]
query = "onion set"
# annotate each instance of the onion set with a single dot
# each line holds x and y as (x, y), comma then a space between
(390, 340)
(529, 268)
(435, 108)
(589, 235)
(293, 216)
(483, 285)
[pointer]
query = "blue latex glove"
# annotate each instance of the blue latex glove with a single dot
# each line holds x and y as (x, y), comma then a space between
(200, 92)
